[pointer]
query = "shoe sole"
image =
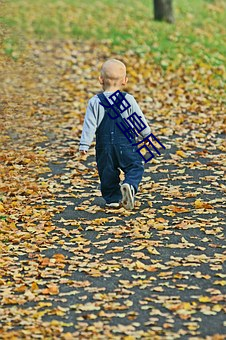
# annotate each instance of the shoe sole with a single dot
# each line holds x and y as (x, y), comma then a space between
(127, 197)
(112, 205)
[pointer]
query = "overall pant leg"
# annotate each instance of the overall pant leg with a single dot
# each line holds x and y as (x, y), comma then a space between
(107, 165)
(131, 164)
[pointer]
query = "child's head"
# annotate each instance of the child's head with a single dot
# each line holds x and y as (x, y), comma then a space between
(113, 75)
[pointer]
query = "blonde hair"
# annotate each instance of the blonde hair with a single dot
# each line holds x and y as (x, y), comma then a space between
(112, 71)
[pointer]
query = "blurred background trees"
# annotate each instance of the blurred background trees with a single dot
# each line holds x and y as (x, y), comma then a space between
(163, 10)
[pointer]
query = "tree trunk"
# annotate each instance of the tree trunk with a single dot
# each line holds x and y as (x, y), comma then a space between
(163, 10)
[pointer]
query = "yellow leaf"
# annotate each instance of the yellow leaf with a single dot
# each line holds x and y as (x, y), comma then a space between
(44, 304)
(153, 251)
(160, 226)
(78, 239)
(140, 265)
(67, 336)
(204, 299)
(217, 308)
(187, 305)
(181, 153)
(192, 326)
(222, 282)
(115, 250)
(1, 208)
(100, 221)
(12, 225)
(158, 289)
(202, 205)
(38, 315)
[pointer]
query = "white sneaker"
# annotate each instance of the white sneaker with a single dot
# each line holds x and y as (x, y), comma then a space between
(112, 205)
(128, 194)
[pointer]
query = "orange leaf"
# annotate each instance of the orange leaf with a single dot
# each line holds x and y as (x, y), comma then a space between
(202, 205)
(34, 286)
(53, 289)
(59, 257)
(20, 289)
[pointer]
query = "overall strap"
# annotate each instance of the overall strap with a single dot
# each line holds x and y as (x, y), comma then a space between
(105, 102)
(102, 98)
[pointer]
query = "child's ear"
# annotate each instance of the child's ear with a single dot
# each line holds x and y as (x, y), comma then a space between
(101, 80)
(125, 81)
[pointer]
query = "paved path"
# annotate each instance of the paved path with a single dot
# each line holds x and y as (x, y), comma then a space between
(80, 271)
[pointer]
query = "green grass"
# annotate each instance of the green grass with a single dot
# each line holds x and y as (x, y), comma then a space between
(198, 31)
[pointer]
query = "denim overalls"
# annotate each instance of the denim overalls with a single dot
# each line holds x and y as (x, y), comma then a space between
(114, 152)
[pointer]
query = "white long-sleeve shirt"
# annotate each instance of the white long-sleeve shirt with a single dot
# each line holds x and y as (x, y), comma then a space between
(95, 113)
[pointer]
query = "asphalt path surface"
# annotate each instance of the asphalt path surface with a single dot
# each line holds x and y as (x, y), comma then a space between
(181, 294)
(81, 271)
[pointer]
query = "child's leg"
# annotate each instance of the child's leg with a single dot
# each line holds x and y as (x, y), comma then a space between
(107, 166)
(131, 164)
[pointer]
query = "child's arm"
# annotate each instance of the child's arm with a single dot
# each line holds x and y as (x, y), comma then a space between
(136, 108)
(89, 129)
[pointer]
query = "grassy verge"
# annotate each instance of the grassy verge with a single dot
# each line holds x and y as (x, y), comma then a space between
(197, 33)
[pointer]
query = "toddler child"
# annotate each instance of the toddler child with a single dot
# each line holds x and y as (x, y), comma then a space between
(114, 151)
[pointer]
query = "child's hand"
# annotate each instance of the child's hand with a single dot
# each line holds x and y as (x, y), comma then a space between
(83, 152)
(147, 141)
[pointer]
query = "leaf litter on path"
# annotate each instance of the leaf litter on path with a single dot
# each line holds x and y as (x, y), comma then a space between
(69, 267)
